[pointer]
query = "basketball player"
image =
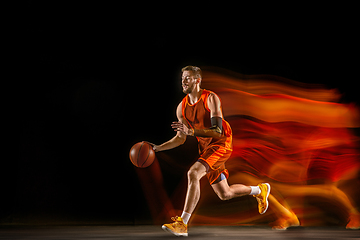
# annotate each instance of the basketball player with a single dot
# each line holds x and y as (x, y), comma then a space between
(200, 115)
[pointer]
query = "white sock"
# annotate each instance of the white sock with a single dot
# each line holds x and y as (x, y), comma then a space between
(255, 190)
(185, 217)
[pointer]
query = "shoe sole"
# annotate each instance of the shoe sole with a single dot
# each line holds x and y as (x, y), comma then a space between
(267, 195)
(176, 234)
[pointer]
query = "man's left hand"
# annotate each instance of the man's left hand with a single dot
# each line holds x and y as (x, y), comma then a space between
(179, 126)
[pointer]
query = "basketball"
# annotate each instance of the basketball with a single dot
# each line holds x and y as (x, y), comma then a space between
(142, 155)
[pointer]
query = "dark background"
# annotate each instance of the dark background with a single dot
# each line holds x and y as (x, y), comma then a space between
(92, 79)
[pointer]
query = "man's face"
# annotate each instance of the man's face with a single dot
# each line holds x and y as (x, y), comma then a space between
(189, 81)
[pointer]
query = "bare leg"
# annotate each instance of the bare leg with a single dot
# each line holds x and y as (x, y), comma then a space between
(196, 172)
(179, 227)
(226, 192)
(285, 217)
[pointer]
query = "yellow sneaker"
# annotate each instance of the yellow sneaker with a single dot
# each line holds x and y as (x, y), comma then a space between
(262, 198)
(178, 227)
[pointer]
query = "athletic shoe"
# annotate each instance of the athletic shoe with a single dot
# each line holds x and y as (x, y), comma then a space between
(178, 227)
(262, 198)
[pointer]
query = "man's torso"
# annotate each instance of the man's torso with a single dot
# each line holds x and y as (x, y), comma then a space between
(197, 116)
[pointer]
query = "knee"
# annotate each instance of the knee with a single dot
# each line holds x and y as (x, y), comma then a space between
(196, 172)
(224, 196)
(194, 175)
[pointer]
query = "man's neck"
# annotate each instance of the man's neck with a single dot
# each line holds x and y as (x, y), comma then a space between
(195, 95)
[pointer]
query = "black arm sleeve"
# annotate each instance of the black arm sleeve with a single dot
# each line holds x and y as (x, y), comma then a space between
(214, 131)
(216, 124)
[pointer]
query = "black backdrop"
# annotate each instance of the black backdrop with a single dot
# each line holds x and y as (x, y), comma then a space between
(92, 81)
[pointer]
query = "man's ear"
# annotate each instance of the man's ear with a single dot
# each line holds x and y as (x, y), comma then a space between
(198, 80)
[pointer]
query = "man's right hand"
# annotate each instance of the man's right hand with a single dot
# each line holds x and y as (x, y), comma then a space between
(155, 147)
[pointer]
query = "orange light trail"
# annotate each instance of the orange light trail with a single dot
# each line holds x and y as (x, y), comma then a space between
(296, 136)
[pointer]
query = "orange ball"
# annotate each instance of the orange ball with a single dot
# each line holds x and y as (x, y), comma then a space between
(142, 154)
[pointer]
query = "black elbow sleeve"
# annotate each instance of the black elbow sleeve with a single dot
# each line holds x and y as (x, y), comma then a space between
(216, 124)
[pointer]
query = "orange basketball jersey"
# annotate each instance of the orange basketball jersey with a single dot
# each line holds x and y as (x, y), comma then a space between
(198, 117)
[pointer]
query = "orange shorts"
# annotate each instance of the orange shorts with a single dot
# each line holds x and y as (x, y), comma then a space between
(214, 158)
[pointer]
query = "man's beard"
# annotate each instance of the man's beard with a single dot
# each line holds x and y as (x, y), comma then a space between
(189, 89)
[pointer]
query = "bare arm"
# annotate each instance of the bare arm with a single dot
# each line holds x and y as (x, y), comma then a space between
(179, 138)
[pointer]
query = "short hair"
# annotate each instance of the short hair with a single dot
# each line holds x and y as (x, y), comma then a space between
(196, 70)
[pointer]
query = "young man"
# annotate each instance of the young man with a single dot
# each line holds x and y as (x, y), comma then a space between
(200, 114)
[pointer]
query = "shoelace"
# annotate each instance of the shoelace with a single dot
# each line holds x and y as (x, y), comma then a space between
(175, 219)
(260, 200)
